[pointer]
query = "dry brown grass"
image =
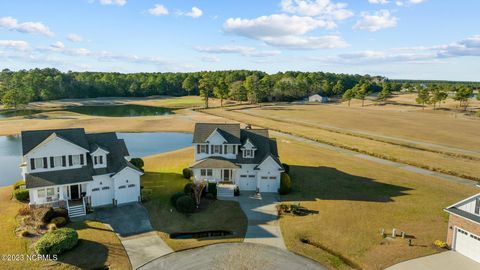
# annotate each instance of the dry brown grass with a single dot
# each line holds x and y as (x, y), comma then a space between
(356, 199)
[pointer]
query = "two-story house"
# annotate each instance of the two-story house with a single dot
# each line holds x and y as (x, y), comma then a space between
(464, 227)
(247, 158)
(69, 168)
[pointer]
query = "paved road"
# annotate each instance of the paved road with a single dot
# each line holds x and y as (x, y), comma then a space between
(233, 256)
(449, 260)
(132, 225)
(262, 215)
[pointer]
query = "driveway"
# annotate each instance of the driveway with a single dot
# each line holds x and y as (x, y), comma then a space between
(262, 215)
(233, 256)
(132, 224)
(443, 261)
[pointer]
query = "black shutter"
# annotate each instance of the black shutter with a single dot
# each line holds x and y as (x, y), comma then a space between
(81, 159)
(198, 148)
(101, 159)
(52, 162)
(207, 148)
(477, 206)
(221, 149)
(70, 160)
(225, 149)
(45, 162)
(64, 161)
(32, 163)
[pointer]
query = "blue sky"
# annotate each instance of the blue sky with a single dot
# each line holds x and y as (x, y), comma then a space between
(414, 39)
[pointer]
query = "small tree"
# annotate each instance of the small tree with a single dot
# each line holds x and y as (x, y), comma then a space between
(138, 162)
(187, 173)
(197, 188)
(347, 96)
(362, 92)
(438, 95)
(385, 93)
(285, 184)
(423, 96)
(462, 95)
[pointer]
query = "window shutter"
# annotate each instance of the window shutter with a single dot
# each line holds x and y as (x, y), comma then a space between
(225, 148)
(95, 160)
(101, 159)
(220, 149)
(213, 152)
(52, 162)
(207, 148)
(64, 161)
(70, 160)
(32, 163)
(198, 148)
(45, 162)
(81, 159)
(477, 206)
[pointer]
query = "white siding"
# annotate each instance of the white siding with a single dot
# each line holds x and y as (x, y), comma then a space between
(130, 180)
(469, 206)
(105, 193)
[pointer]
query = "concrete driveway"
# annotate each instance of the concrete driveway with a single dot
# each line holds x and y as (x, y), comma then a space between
(449, 260)
(132, 224)
(261, 211)
(233, 256)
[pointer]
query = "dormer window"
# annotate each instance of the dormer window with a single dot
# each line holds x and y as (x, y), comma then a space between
(248, 153)
(98, 160)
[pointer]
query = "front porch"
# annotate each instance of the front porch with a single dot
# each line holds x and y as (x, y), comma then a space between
(71, 197)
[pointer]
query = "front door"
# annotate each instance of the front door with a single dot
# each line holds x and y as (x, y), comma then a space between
(226, 175)
(74, 192)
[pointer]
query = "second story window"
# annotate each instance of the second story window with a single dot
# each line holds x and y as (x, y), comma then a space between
(248, 153)
(477, 206)
(57, 162)
(203, 148)
(39, 163)
(98, 160)
(76, 160)
(217, 149)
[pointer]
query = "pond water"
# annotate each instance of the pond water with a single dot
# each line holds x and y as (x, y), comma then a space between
(139, 145)
(111, 111)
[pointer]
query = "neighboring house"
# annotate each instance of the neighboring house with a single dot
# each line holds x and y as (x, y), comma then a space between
(227, 154)
(317, 98)
(464, 227)
(68, 168)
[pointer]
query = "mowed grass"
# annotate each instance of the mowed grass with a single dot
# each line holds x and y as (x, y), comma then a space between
(98, 246)
(163, 174)
(355, 200)
(292, 119)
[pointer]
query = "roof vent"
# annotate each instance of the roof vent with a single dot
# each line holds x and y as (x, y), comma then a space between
(248, 126)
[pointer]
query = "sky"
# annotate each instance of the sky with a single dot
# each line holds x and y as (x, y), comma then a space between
(399, 39)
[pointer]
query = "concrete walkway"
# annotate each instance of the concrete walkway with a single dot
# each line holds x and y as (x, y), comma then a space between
(449, 260)
(132, 225)
(233, 256)
(261, 211)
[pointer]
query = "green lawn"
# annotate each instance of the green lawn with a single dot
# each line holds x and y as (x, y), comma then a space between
(163, 176)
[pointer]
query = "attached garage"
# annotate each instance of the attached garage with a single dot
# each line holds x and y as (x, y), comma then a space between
(467, 244)
(127, 193)
(127, 186)
(247, 182)
(102, 196)
(268, 184)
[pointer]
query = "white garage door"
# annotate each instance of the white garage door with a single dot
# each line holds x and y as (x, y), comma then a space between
(102, 196)
(467, 244)
(247, 182)
(268, 184)
(127, 193)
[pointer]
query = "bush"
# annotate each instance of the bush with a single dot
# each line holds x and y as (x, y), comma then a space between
(61, 212)
(24, 211)
(212, 189)
(187, 173)
(188, 188)
(174, 198)
(48, 215)
(185, 204)
(440, 243)
(146, 194)
(18, 184)
(21, 194)
(52, 227)
(138, 162)
(56, 242)
(236, 191)
(209, 196)
(285, 184)
(286, 167)
(59, 221)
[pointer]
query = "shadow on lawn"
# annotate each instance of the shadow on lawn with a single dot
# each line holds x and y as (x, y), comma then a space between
(86, 255)
(326, 183)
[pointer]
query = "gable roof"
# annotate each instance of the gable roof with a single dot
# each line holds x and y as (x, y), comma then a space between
(31, 139)
(214, 162)
(454, 209)
(231, 132)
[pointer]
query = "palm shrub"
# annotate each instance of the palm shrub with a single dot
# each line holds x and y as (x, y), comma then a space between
(56, 242)
(285, 184)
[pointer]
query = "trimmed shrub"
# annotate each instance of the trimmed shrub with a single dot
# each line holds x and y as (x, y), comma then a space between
(440, 243)
(212, 189)
(174, 198)
(138, 162)
(61, 212)
(146, 194)
(187, 173)
(18, 184)
(21, 194)
(188, 188)
(59, 221)
(285, 184)
(56, 242)
(48, 215)
(236, 191)
(286, 167)
(185, 204)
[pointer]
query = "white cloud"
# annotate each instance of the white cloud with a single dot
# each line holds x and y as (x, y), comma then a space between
(19, 45)
(308, 42)
(210, 59)
(113, 2)
(382, 2)
(416, 1)
(25, 27)
(74, 37)
(194, 13)
(374, 22)
(325, 9)
(158, 10)
(235, 49)
(411, 2)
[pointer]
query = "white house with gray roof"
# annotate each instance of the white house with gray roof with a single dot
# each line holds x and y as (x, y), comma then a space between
(226, 154)
(69, 168)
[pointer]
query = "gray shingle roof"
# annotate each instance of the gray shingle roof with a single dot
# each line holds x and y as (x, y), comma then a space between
(231, 132)
(30, 139)
(463, 214)
(214, 162)
(62, 177)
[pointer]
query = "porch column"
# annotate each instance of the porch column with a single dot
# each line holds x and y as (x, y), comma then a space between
(60, 196)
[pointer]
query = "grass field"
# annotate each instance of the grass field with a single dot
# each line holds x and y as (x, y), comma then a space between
(355, 200)
(98, 246)
(163, 176)
(432, 140)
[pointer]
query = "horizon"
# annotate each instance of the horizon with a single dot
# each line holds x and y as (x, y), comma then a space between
(400, 40)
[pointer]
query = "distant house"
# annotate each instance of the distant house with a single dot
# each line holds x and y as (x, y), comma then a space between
(464, 227)
(317, 98)
(234, 157)
(69, 168)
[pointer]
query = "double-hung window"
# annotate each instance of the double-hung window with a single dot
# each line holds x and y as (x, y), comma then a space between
(38, 163)
(76, 160)
(217, 149)
(203, 148)
(206, 172)
(248, 153)
(57, 161)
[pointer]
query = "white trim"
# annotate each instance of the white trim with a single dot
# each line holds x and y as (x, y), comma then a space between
(114, 175)
(99, 149)
(52, 138)
(462, 201)
(461, 216)
(213, 132)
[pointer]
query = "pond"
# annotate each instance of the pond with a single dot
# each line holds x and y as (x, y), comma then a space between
(139, 145)
(111, 111)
